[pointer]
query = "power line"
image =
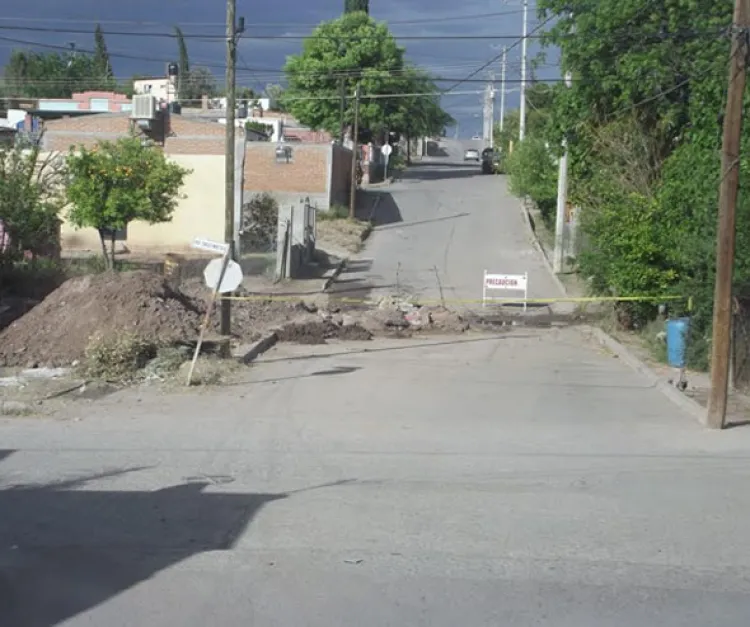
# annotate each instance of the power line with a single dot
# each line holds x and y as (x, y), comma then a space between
(497, 57)
(216, 36)
(436, 20)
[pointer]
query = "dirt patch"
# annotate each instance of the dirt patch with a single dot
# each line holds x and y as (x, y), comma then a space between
(57, 331)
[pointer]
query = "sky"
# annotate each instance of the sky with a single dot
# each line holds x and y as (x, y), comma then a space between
(145, 46)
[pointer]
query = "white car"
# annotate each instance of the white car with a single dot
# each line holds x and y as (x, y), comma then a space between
(472, 154)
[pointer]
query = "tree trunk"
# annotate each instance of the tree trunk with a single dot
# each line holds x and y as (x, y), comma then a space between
(112, 236)
(103, 240)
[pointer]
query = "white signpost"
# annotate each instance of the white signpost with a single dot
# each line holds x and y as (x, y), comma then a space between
(386, 150)
(222, 275)
(506, 283)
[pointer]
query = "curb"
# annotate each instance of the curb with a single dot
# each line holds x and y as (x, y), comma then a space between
(538, 245)
(335, 275)
(687, 404)
(258, 348)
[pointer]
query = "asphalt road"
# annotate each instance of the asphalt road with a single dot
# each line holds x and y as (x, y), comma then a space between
(441, 226)
(523, 479)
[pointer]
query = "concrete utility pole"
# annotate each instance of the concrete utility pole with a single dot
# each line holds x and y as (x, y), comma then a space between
(726, 233)
(229, 150)
(502, 87)
(355, 154)
(522, 121)
(342, 107)
(562, 202)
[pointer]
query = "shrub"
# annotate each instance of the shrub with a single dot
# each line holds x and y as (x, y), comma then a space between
(533, 173)
(117, 357)
(260, 218)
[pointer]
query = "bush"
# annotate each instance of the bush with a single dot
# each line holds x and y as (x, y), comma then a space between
(260, 217)
(533, 174)
(117, 358)
(336, 212)
(29, 204)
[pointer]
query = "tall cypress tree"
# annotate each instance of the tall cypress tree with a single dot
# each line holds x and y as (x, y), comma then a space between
(102, 66)
(183, 77)
(351, 6)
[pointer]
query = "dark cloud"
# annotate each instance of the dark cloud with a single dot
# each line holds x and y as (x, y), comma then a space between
(260, 59)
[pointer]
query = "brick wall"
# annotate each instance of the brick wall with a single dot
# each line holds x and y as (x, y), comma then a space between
(186, 137)
(341, 175)
(305, 176)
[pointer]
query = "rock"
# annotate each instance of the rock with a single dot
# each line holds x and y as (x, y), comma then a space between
(348, 320)
(417, 318)
(446, 320)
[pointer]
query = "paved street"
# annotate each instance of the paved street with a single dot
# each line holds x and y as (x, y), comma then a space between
(442, 226)
(527, 478)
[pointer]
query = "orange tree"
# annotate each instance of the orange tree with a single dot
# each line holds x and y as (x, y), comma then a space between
(115, 183)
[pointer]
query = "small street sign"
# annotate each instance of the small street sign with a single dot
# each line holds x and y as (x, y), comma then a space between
(220, 248)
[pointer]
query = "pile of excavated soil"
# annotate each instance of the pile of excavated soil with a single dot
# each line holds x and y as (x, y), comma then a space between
(57, 331)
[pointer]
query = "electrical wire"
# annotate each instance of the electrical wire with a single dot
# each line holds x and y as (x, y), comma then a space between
(435, 20)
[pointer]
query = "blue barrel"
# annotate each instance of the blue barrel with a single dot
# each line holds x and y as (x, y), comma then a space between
(677, 331)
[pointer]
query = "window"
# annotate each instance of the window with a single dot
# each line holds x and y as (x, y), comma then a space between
(99, 104)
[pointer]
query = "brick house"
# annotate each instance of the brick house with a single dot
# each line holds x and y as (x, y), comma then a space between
(320, 172)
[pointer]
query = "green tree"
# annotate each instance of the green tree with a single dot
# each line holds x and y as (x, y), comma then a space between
(275, 93)
(49, 75)
(198, 83)
(418, 112)
(353, 48)
(115, 183)
(642, 120)
(29, 203)
(352, 6)
(183, 77)
(101, 62)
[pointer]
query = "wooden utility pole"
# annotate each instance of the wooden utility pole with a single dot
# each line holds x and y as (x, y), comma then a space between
(355, 154)
(725, 238)
(229, 150)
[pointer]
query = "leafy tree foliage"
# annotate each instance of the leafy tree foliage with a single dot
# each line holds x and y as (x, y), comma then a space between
(115, 183)
(49, 75)
(357, 49)
(352, 6)
(643, 124)
(29, 201)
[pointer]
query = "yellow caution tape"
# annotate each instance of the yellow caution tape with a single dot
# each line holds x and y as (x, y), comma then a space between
(420, 301)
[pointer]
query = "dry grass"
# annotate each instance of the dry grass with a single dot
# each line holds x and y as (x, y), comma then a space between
(342, 234)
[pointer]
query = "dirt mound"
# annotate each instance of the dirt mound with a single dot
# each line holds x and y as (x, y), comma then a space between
(57, 330)
(318, 331)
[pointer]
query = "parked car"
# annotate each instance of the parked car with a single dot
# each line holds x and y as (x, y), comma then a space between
(490, 161)
(471, 155)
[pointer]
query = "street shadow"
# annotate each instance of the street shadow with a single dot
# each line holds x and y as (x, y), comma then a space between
(439, 171)
(434, 149)
(64, 550)
(5, 453)
(384, 210)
